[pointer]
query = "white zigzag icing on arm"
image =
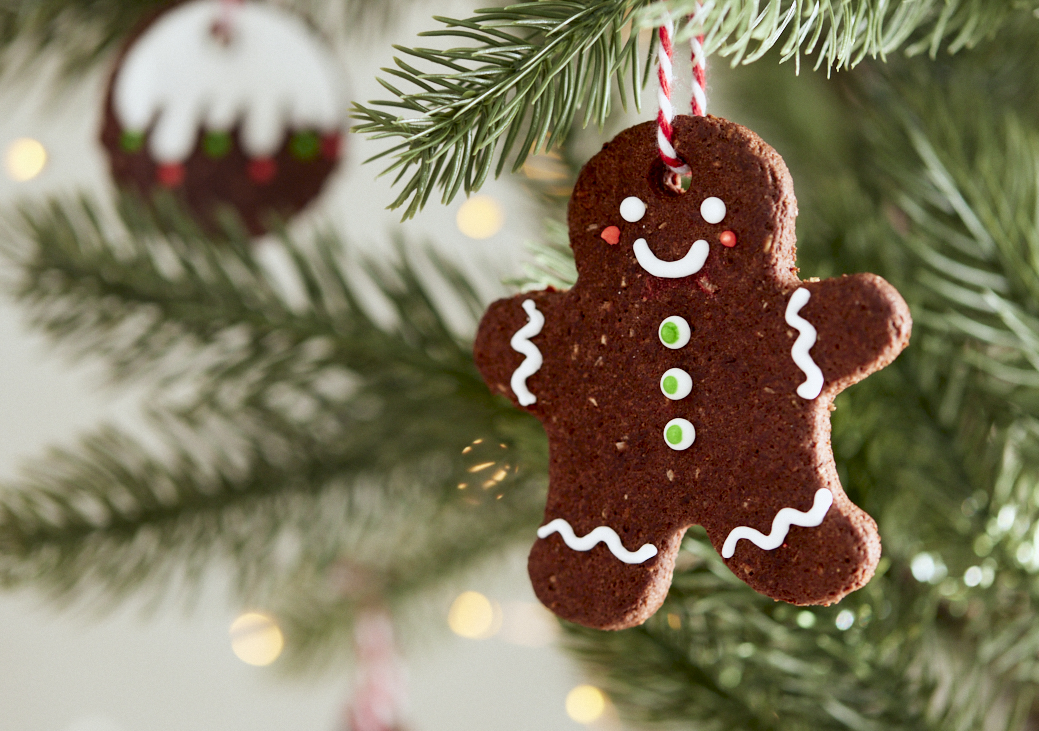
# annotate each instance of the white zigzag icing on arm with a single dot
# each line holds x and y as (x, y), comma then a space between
(521, 344)
(813, 384)
(602, 534)
(781, 525)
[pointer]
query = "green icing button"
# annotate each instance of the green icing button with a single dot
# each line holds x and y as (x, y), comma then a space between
(669, 332)
(674, 332)
(671, 385)
(679, 434)
(216, 144)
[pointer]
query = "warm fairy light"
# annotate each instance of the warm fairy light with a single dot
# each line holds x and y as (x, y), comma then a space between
(585, 703)
(25, 159)
(256, 639)
(674, 621)
(474, 616)
(480, 217)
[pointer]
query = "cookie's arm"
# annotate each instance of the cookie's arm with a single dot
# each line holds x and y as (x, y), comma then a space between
(861, 323)
(509, 349)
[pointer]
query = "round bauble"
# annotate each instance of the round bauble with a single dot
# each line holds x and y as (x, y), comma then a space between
(227, 106)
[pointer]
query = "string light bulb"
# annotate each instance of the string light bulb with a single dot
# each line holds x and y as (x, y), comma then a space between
(25, 159)
(480, 217)
(585, 703)
(474, 616)
(256, 639)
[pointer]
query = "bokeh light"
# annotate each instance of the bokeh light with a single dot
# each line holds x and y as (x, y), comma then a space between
(256, 639)
(474, 616)
(585, 703)
(845, 619)
(480, 217)
(25, 159)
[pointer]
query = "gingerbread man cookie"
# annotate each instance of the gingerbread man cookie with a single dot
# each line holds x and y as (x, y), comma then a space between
(687, 378)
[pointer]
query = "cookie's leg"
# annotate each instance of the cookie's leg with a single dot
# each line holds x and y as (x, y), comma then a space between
(801, 541)
(592, 585)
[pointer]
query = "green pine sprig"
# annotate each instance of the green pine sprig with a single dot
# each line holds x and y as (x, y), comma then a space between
(277, 419)
(528, 70)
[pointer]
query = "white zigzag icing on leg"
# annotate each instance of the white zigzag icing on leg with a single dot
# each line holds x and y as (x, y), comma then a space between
(781, 525)
(602, 534)
(521, 344)
(813, 376)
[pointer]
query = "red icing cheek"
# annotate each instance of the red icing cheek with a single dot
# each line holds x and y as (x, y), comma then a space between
(611, 235)
(728, 239)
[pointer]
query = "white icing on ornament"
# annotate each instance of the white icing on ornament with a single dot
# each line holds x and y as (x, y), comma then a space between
(674, 332)
(780, 525)
(713, 210)
(691, 263)
(813, 384)
(602, 534)
(679, 434)
(676, 384)
(521, 344)
(632, 209)
(272, 75)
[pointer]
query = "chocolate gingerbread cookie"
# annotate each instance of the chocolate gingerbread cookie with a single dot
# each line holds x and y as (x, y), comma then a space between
(688, 378)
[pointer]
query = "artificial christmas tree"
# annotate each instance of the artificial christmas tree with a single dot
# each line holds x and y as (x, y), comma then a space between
(913, 148)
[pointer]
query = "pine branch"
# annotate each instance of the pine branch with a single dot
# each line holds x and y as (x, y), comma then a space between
(309, 414)
(840, 33)
(528, 69)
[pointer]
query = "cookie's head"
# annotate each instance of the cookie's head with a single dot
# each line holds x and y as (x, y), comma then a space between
(733, 228)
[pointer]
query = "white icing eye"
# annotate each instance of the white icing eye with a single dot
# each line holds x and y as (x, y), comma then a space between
(679, 434)
(676, 384)
(713, 210)
(674, 332)
(632, 209)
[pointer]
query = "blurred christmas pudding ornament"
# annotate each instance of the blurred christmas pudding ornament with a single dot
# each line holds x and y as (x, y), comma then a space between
(226, 105)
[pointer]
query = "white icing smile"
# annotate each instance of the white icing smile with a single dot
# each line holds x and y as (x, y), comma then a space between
(602, 534)
(691, 263)
(781, 525)
(813, 384)
(521, 344)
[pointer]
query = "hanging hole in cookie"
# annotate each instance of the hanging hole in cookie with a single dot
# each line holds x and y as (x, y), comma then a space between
(678, 182)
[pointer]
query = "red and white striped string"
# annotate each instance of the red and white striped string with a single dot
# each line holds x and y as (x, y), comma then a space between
(665, 74)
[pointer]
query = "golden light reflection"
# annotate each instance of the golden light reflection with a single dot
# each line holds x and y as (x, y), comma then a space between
(585, 703)
(474, 616)
(480, 217)
(25, 159)
(256, 639)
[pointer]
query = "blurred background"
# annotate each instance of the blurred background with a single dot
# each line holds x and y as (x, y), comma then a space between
(170, 668)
